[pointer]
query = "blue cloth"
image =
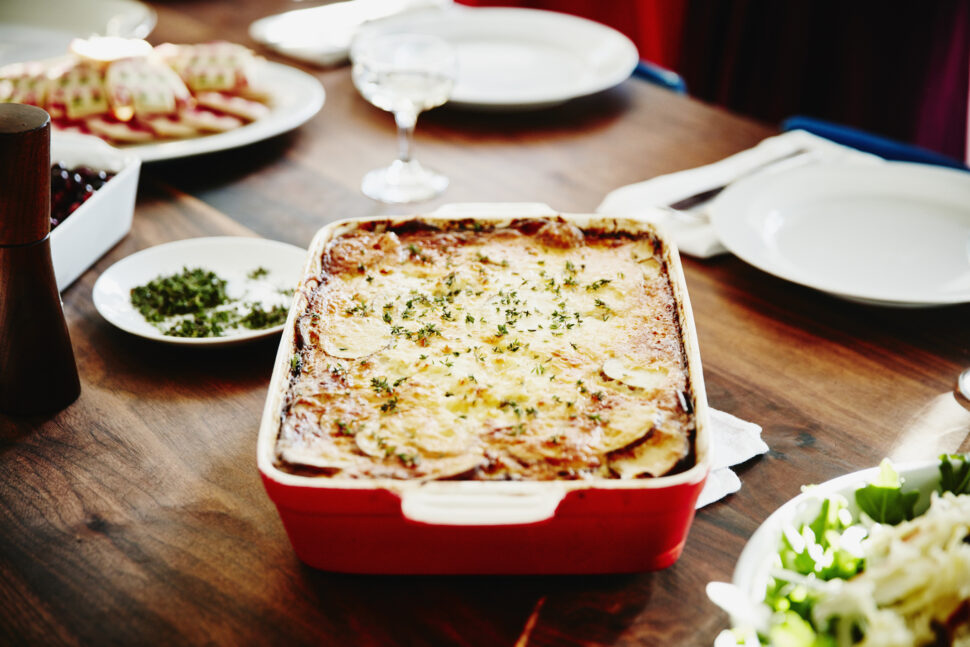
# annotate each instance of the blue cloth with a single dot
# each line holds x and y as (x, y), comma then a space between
(653, 73)
(884, 147)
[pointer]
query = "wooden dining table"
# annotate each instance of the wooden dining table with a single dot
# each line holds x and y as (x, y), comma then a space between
(136, 516)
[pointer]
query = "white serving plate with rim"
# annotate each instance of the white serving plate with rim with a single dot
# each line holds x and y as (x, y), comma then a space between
(38, 29)
(322, 35)
(515, 59)
(230, 257)
(295, 97)
(892, 234)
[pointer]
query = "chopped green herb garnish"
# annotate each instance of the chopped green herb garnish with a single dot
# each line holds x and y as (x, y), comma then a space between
(380, 385)
(347, 429)
(428, 330)
(596, 285)
(198, 299)
(192, 291)
(415, 252)
(360, 308)
(258, 318)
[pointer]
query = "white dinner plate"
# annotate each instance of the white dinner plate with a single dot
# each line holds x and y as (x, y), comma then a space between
(895, 234)
(510, 59)
(322, 35)
(230, 257)
(37, 29)
(295, 97)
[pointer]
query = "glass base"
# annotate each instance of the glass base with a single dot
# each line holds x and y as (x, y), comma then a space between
(403, 182)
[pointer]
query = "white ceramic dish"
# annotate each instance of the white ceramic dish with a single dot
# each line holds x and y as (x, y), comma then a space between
(321, 35)
(38, 29)
(485, 527)
(232, 258)
(296, 97)
(895, 234)
(103, 219)
(512, 59)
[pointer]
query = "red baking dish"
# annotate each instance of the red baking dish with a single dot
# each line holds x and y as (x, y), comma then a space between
(482, 527)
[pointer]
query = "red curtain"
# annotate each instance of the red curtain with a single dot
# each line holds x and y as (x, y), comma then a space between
(899, 69)
(896, 69)
(654, 25)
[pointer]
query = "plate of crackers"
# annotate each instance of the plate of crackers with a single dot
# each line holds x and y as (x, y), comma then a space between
(167, 101)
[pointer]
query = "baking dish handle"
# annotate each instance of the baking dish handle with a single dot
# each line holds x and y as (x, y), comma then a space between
(506, 209)
(479, 508)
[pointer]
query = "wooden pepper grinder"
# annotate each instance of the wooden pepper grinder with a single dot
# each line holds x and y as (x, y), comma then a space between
(37, 369)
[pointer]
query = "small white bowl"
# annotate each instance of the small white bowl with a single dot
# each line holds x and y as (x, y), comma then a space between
(104, 218)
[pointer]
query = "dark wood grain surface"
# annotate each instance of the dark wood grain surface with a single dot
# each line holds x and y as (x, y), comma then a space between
(136, 516)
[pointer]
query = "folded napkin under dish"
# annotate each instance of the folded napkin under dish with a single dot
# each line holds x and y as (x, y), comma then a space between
(697, 237)
(735, 441)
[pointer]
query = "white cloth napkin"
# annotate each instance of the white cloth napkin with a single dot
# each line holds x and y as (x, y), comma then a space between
(733, 441)
(697, 238)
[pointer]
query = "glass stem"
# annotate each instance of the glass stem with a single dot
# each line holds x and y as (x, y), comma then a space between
(405, 120)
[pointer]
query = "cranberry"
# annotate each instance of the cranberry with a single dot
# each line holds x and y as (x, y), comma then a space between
(70, 188)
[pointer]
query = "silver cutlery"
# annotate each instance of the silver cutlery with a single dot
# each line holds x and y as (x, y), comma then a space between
(801, 154)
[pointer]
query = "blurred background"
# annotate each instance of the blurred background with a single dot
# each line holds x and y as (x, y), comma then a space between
(899, 69)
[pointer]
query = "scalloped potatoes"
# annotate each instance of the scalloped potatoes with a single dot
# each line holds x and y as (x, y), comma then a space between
(533, 351)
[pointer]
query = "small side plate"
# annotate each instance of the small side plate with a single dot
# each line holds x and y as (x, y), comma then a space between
(232, 258)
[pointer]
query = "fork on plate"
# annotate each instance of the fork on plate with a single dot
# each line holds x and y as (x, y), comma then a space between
(679, 208)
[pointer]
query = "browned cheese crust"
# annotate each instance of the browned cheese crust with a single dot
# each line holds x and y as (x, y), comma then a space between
(532, 351)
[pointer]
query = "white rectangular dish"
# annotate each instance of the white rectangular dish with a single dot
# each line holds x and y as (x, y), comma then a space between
(105, 218)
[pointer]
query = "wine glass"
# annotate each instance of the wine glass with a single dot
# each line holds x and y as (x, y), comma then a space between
(404, 74)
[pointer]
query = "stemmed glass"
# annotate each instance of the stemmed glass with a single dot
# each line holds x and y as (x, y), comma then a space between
(404, 74)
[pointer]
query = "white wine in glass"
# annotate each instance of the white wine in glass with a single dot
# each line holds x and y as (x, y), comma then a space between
(404, 74)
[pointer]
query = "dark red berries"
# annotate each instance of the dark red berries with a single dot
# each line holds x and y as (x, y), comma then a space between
(71, 187)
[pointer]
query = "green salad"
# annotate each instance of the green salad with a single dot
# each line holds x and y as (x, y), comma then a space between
(890, 575)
